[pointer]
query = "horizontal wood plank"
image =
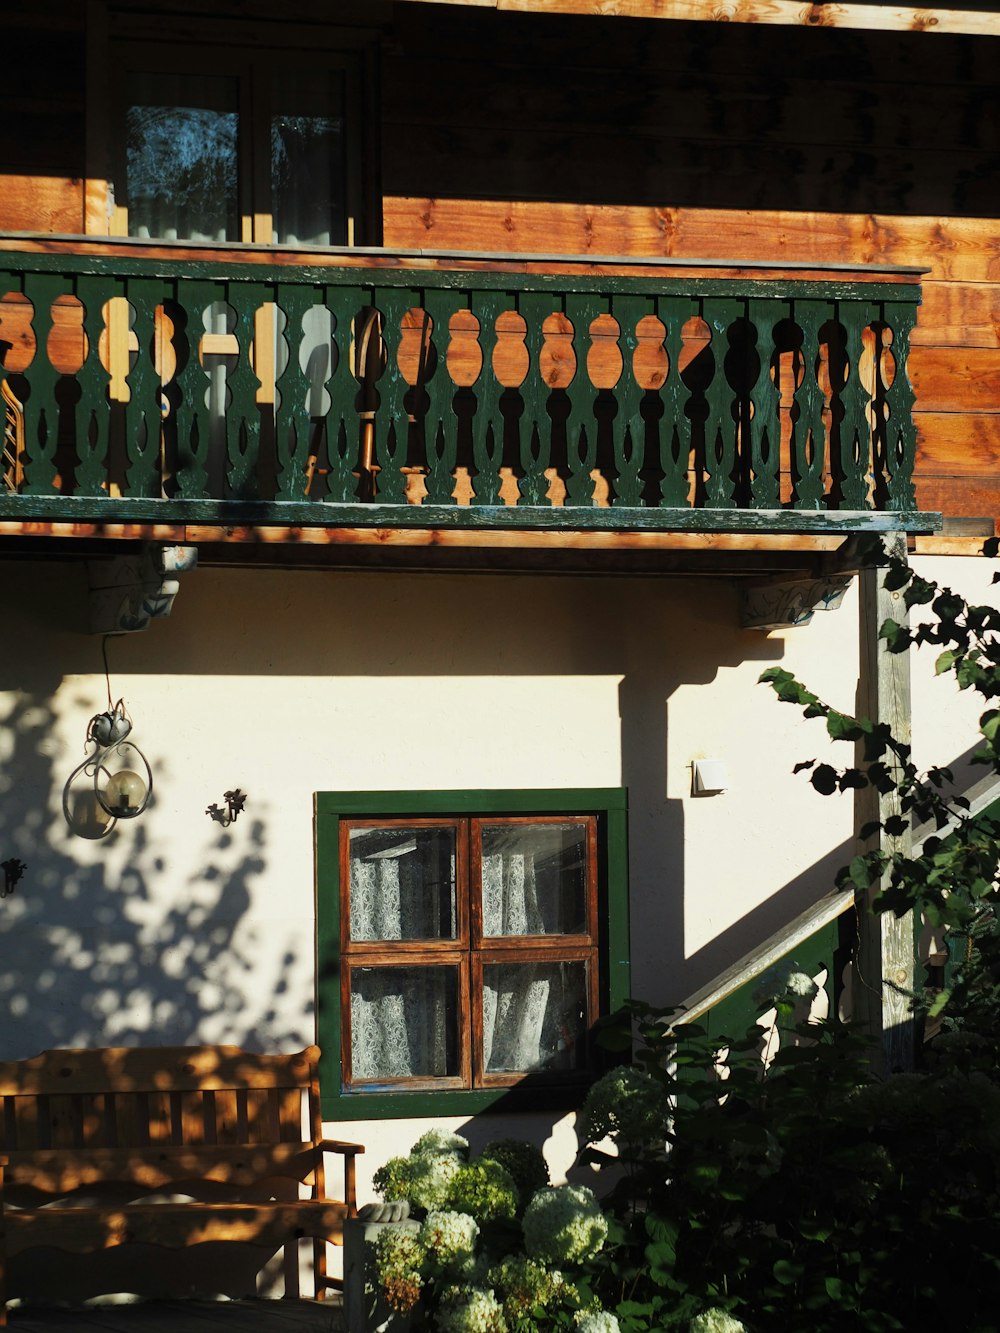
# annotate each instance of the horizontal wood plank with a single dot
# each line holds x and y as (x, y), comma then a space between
(954, 248)
(173, 1224)
(956, 379)
(58, 1171)
(958, 444)
(958, 315)
(139, 1069)
(867, 17)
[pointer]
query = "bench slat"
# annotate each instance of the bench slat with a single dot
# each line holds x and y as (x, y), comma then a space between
(168, 1068)
(176, 1224)
(58, 1170)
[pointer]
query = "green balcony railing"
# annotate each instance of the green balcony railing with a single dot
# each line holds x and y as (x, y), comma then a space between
(371, 389)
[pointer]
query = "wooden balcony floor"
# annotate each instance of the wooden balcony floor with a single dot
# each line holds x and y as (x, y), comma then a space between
(184, 1317)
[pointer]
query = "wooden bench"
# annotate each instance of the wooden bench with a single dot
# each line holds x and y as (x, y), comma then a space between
(171, 1146)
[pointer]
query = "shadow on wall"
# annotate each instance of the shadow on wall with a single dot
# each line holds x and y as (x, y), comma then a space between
(89, 954)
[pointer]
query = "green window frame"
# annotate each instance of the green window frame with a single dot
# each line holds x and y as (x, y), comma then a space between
(336, 814)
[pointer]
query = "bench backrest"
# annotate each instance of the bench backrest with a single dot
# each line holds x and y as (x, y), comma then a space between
(134, 1098)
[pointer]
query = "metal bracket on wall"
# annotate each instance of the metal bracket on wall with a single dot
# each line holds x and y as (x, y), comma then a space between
(128, 591)
(785, 605)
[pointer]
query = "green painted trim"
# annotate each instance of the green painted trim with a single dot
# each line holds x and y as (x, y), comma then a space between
(470, 279)
(568, 518)
(610, 804)
(732, 1016)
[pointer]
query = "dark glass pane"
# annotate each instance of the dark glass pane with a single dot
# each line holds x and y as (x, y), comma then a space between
(534, 879)
(534, 1016)
(308, 193)
(403, 883)
(181, 140)
(404, 1023)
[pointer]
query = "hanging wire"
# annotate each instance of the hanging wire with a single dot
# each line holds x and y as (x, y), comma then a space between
(107, 673)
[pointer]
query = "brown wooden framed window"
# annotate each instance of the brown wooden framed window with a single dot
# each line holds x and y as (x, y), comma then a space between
(250, 133)
(469, 951)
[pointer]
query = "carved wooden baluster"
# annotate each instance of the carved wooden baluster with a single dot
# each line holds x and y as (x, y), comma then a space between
(193, 414)
(674, 312)
(13, 422)
(535, 308)
(143, 414)
(242, 414)
(629, 428)
(441, 423)
(901, 432)
(292, 422)
(93, 413)
(40, 412)
(809, 438)
(487, 424)
(855, 454)
(392, 426)
(581, 428)
(721, 427)
(342, 434)
(765, 398)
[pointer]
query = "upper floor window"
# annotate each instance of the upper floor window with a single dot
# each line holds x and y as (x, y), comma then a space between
(219, 143)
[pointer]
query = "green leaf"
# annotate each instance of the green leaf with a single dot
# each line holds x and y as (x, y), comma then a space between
(946, 661)
(841, 727)
(896, 636)
(897, 575)
(788, 1272)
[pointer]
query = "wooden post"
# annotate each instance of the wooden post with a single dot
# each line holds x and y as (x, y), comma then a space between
(884, 966)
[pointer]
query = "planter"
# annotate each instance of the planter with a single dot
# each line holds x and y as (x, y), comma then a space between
(365, 1310)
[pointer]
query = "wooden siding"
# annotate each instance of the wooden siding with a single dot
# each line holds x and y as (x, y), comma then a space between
(593, 136)
(703, 141)
(42, 110)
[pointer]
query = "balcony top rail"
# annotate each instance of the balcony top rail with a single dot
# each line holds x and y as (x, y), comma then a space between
(369, 388)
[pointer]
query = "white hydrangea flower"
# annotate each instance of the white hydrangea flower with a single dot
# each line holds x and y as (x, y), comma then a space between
(800, 983)
(596, 1322)
(450, 1239)
(625, 1103)
(431, 1178)
(564, 1225)
(474, 1311)
(438, 1141)
(716, 1321)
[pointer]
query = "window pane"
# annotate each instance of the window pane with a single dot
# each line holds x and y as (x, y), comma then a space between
(308, 204)
(404, 1023)
(181, 156)
(534, 1016)
(534, 879)
(403, 883)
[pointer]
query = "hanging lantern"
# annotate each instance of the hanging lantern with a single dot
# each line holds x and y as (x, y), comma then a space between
(123, 779)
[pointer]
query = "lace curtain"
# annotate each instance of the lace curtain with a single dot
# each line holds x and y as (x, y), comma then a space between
(403, 1018)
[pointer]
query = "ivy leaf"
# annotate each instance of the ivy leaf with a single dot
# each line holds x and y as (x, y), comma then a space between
(788, 1272)
(897, 575)
(946, 661)
(841, 727)
(897, 636)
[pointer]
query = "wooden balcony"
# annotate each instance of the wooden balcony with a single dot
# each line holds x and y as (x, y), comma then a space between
(361, 390)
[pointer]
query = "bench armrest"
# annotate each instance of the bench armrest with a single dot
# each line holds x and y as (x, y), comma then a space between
(341, 1146)
(348, 1151)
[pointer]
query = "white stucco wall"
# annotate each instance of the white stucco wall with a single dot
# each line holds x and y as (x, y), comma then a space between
(173, 929)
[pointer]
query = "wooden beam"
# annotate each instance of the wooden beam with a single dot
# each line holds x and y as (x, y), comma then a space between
(796, 13)
(884, 966)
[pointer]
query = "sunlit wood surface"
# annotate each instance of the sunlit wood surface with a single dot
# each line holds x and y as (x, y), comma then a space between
(185, 1317)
